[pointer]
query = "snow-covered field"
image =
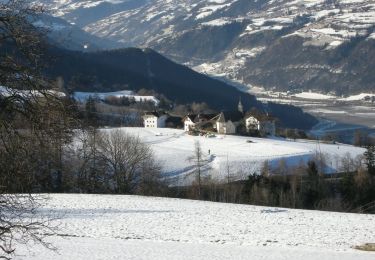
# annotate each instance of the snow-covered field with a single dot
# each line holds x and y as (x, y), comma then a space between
(312, 95)
(83, 96)
(302, 96)
(173, 147)
(97, 227)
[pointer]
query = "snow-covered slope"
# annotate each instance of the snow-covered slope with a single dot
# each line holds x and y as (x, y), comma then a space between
(131, 227)
(174, 147)
(325, 45)
(67, 35)
(6, 92)
(83, 96)
(352, 16)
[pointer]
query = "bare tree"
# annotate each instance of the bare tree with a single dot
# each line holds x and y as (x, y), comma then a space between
(90, 167)
(199, 161)
(21, 223)
(131, 161)
(33, 128)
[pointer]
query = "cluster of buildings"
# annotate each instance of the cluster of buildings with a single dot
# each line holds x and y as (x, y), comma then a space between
(227, 122)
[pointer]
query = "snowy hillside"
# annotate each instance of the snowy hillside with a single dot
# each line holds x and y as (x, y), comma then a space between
(6, 92)
(131, 227)
(173, 148)
(83, 96)
(67, 35)
(276, 44)
(352, 16)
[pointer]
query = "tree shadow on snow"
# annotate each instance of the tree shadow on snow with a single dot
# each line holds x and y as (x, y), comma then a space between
(95, 213)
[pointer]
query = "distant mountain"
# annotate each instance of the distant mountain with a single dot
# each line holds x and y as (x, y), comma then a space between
(143, 68)
(134, 69)
(323, 45)
(70, 36)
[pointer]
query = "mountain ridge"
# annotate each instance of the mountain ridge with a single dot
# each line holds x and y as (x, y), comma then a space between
(135, 69)
(244, 40)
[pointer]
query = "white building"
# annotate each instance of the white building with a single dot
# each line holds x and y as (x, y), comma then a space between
(154, 120)
(225, 128)
(265, 126)
(252, 123)
(189, 123)
(227, 122)
(193, 121)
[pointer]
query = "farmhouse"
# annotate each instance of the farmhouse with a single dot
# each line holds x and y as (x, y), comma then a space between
(252, 123)
(264, 124)
(231, 122)
(227, 122)
(194, 121)
(189, 122)
(154, 119)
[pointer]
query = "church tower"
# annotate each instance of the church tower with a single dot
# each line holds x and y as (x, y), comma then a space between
(240, 106)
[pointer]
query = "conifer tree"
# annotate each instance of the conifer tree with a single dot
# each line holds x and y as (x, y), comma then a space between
(370, 159)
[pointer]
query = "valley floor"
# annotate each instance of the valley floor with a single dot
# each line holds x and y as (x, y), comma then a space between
(133, 227)
(356, 113)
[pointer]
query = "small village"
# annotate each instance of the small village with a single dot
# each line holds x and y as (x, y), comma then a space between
(237, 122)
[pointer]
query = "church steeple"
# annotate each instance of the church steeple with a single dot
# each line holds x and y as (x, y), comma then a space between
(240, 106)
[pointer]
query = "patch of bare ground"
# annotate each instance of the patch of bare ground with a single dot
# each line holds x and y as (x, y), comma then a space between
(366, 247)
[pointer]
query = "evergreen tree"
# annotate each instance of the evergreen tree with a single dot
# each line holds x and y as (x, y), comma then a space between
(370, 159)
(311, 191)
(348, 188)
